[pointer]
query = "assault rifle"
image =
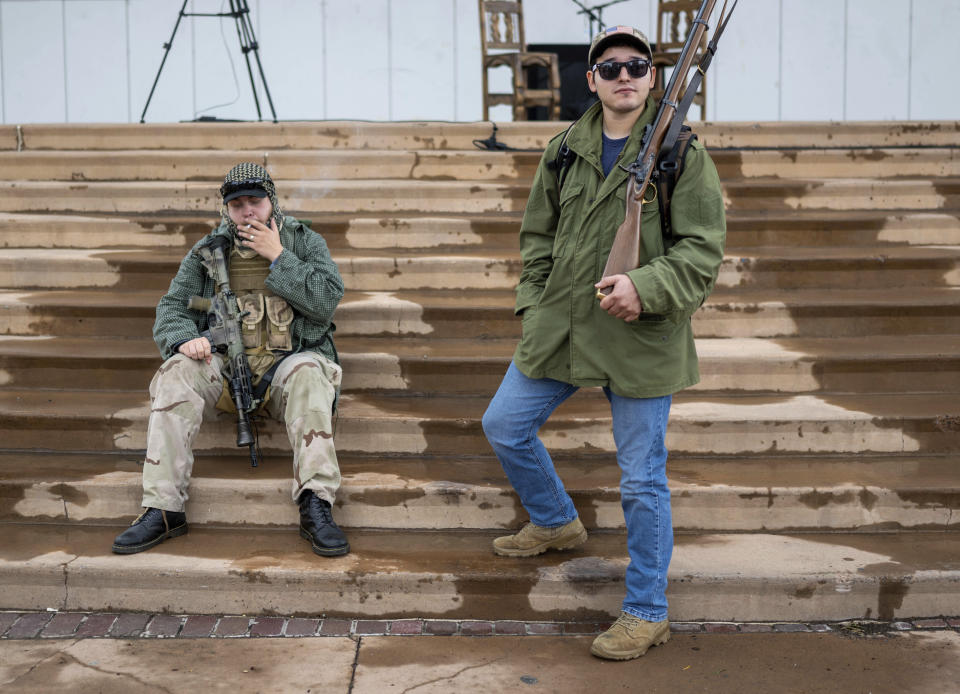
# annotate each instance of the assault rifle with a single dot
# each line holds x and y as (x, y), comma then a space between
(661, 136)
(224, 333)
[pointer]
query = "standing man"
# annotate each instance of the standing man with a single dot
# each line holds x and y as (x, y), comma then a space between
(287, 286)
(636, 343)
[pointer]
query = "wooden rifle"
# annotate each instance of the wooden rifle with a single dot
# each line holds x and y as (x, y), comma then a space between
(660, 136)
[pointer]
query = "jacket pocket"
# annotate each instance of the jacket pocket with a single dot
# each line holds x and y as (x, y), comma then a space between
(251, 313)
(568, 197)
(279, 318)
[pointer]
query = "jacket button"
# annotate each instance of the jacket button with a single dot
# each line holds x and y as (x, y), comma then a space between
(590, 201)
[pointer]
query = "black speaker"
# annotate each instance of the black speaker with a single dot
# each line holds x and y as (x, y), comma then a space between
(575, 97)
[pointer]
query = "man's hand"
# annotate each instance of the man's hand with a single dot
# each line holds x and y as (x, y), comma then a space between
(623, 300)
(197, 348)
(264, 239)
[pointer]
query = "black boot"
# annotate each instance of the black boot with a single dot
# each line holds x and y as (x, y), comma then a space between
(151, 527)
(316, 525)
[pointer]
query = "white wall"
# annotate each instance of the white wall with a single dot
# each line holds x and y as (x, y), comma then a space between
(95, 60)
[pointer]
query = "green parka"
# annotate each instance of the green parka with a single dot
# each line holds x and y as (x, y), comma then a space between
(565, 239)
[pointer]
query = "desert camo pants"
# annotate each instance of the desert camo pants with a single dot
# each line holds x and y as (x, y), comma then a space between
(184, 391)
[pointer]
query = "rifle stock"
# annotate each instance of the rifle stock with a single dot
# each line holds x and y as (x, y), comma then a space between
(627, 244)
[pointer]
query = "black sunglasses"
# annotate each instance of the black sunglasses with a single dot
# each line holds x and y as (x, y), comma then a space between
(610, 70)
(231, 186)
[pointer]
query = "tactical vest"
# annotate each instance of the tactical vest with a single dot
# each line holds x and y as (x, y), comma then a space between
(265, 317)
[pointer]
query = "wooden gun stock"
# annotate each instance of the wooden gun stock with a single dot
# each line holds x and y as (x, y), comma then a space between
(627, 244)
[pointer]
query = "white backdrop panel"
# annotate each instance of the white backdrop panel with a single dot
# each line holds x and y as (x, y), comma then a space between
(469, 101)
(422, 65)
(812, 69)
(33, 77)
(358, 59)
(96, 64)
(933, 79)
(878, 59)
(744, 81)
(292, 51)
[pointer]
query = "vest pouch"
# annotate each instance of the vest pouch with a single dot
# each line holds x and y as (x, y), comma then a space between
(279, 318)
(251, 310)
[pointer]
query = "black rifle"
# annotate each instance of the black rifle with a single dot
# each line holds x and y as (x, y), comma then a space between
(224, 333)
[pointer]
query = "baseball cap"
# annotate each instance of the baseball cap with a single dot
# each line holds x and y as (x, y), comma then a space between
(618, 34)
(252, 191)
(245, 179)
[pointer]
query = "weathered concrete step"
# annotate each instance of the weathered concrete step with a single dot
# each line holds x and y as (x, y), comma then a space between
(842, 194)
(62, 268)
(876, 363)
(708, 494)
(469, 165)
(842, 267)
(746, 229)
(387, 270)
(749, 312)
(81, 231)
(311, 198)
(455, 575)
(458, 136)
(341, 230)
(91, 420)
(287, 167)
(484, 314)
(837, 163)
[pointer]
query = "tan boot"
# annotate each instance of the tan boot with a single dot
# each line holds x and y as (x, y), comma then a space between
(630, 637)
(534, 539)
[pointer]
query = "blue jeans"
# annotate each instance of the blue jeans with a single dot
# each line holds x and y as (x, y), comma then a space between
(511, 423)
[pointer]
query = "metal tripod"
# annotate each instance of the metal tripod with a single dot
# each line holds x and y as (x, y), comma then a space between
(240, 12)
(596, 18)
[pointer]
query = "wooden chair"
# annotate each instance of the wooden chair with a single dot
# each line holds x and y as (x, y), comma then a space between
(674, 19)
(502, 42)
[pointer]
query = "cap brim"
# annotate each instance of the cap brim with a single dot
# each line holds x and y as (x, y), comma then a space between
(252, 192)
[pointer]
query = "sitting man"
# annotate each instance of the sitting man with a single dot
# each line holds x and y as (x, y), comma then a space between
(288, 287)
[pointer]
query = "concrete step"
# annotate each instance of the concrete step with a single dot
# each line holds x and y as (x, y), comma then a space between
(715, 577)
(491, 231)
(818, 228)
(457, 136)
(749, 312)
(837, 163)
(388, 270)
(369, 424)
(842, 194)
(842, 267)
(104, 232)
(468, 165)
(318, 197)
(287, 167)
(440, 493)
(487, 314)
(871, 364)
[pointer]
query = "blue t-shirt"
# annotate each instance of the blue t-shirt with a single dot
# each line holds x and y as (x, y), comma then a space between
(611, 150)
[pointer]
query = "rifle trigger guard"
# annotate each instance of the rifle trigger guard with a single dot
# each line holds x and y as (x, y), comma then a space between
(651, 200)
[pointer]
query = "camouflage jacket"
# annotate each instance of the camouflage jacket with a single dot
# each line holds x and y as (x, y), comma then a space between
(304, 274)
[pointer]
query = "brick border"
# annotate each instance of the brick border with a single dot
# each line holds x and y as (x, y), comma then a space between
(70, 625)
